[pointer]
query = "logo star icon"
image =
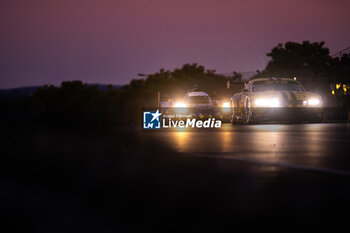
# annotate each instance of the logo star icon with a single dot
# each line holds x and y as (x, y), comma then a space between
(156, 115)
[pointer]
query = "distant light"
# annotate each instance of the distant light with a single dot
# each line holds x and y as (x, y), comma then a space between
(180, 105)
(333, 92)
(226, 106)
(295, 78)
(337, 85)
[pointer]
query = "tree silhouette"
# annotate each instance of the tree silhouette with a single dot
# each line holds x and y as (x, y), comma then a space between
(309, 62)
(237, 77)
(341, 69)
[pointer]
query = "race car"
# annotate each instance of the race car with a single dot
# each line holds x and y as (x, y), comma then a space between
(195, 103)
(275, 99)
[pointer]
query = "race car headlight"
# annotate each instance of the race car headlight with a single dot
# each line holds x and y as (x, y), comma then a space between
(267, 102)
(226, 106)
(314, 102)
(180, 105)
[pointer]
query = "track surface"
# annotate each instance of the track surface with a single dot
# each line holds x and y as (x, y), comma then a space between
(321, 148)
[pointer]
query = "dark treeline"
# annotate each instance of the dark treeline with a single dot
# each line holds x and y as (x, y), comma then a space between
(77, 103)
(311, 63)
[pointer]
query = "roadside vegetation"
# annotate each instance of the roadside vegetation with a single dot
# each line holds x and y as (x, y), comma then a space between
(77, 103)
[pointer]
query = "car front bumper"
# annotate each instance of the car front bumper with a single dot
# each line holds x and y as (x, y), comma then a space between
(287, 114)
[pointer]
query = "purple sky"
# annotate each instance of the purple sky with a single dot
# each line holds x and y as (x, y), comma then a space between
(46, 42)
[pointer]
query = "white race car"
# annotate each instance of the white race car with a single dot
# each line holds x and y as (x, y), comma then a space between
(196, 104)
(275, 99)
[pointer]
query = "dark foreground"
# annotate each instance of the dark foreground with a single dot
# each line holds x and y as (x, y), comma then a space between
(284, 178)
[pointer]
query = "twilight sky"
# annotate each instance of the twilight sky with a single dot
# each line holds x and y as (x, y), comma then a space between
(110, 41)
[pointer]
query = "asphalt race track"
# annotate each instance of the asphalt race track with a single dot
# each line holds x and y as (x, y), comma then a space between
(322, 148)
(243, 178)
(284, 177)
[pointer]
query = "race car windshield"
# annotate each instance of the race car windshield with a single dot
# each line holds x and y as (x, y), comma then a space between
(199, 100)
(277, 86)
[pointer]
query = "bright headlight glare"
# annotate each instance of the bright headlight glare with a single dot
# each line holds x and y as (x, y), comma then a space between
(267, 102)
(226, 105)
(314, 102)
(180, 105)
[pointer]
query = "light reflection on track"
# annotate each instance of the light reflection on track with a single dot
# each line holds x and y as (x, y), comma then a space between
(314, 146)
